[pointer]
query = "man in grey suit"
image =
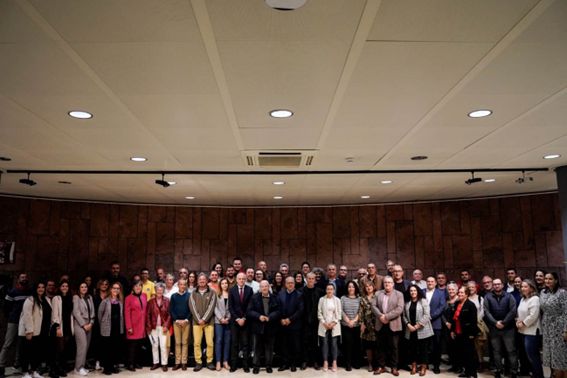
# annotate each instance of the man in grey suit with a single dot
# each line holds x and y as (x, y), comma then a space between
(388, 306)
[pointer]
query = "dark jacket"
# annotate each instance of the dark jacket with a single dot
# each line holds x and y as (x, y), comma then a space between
(291, 306)
(237, 308)
(501, 308)
(310, 302)
(256, 308)
(340, 286)
(468, 319)
(15, 302)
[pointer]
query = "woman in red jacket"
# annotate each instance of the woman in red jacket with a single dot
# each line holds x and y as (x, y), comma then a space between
(158, 322)
(135, 308)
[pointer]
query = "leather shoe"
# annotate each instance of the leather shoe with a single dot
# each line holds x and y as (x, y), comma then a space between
(131, 368)
(154, 367)
(293, 369)
(283, 368)
(197, 367)
(211, 366)
(164, 368)
(436, 370)
(183, 367)
(232, 369)
(395, 372)
(246, 369)
(176, 367)
(269, 370)
(256, 370)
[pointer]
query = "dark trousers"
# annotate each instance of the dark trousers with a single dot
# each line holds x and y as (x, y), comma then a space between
(435, 356)
(532, 347)
(465, 353)
(239, 341)
(506, 337)
(351, 346)
(34, 352)
(418, 349)
(310, 344)
(61, 346)
(388, 342)
(525, 366)
(291, 346)
(111, 347)
(264, 347)
(133, 347)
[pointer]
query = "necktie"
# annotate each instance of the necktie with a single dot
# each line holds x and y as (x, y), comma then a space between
(241, 295)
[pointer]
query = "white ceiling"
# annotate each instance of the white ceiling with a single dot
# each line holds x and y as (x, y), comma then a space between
(189, 84)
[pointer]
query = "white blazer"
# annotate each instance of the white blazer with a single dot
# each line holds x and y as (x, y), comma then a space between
(337, 316)
(31, 318)
(57, 312)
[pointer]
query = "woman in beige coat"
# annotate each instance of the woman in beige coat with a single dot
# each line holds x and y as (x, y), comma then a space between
(83, 319)
(329, 313)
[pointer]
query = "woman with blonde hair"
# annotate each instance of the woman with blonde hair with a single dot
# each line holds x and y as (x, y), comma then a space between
(111, 320)
(527, 323)
(329, 313)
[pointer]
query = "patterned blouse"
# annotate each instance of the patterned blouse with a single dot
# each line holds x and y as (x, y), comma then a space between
(366, 317)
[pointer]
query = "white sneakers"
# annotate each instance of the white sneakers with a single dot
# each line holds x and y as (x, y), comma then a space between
(27, 375)
(97, 366)
(81, 371)
(36, 375)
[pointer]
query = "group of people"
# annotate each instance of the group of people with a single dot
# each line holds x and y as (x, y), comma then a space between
(230, 319)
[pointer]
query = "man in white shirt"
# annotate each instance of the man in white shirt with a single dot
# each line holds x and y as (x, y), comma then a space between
(510, 276)
(418, 279)
(250, 281)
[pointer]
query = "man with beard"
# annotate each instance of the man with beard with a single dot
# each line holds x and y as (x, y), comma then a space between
(230, 276)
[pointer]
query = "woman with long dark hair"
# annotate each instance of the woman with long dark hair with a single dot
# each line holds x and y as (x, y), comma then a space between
(554, 326)
(350, 326)
(62, 327)
(111, 320)
(222, 327)
(418, 328)
(277, 283)
(83, 320)
(35, 323)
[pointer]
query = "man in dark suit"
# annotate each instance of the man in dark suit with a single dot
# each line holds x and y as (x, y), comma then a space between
(238, 299)
(332, 278)
(263, 315)
(291, 313)
(436, 300)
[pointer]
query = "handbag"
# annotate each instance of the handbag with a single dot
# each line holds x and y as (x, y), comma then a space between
(483, 330)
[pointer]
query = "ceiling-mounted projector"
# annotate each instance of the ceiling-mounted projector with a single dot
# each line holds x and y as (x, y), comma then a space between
(285, 5)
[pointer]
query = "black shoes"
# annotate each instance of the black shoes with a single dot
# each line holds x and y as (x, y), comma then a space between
(293, 369)
(211, 366)
(269, 370)
(256, 370)
(246, 369)
(303, 366)
(232, 369)
(197, 367)
(436, 370)
(283, 368)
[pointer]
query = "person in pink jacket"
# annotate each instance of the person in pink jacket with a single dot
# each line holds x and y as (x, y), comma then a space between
(135, 308)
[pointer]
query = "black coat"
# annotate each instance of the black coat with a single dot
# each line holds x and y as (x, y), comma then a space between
(236, 308)
(256, 308)
(292, 308)
(310, 302)
(468, 319)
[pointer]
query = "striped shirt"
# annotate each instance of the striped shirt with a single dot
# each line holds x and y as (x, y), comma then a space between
(350, 308)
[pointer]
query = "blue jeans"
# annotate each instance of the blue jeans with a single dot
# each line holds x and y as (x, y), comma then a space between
(531, 344)
(222, 342)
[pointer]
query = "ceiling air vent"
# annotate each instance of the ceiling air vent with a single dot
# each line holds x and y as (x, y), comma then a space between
(279, 159)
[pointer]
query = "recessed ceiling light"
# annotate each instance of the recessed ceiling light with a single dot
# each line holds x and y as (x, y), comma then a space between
(64, 182)
(349, 159)
(480, 113)
(5, 158)
(490, 180)
(386, 182)
(365, 197)
(190, 197)
(278, 197)
(138, 159)
(80, 114)
(285, 5)
(171, 183)
(552, 156)
(419, 157)
(281, 113)
(278, 182)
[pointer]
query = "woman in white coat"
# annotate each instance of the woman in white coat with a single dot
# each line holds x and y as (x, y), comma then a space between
(527, 323)
(329, 313)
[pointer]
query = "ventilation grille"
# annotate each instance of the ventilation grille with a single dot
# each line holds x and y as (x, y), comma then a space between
(282, 159)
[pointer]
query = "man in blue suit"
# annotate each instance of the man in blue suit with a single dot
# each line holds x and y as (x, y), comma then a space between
(291, 314)
(238, 299)
(437, 302)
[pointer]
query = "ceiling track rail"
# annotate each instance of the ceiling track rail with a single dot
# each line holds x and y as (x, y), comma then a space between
(267, 173)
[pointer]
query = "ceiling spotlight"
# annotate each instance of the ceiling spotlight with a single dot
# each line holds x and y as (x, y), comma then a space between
(190, 197)
(365, 197)
(419, 157)
(5, 158)
(64, 182)
(278, 182)
(285, 5)
(473, 179)
(162, 182)
(28, 181)
(524, 178)
(80, 114)
(490, 180)
(385, 182)
(552, 156)
(480, 113)
(138, 159)
(281, 113)
(349, 159)
(278, 197)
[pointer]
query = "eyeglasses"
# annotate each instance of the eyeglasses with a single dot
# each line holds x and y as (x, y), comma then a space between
(115, 288)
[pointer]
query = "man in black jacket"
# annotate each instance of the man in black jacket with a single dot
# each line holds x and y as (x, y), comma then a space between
(238, 299)
(311, 296)
(263, 315)
(291, 313)
(499, 315)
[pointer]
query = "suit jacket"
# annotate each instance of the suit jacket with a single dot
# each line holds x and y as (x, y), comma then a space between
(422, 316)
(468, 319)
(152, 314)
(82, 313)
(221, 310)
(104, 312)
(256, 308)
(236, 307)
(436, 308)
(393, 310)
(291, 308)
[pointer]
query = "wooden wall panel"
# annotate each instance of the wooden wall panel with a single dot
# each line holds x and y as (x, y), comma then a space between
(486, 236)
